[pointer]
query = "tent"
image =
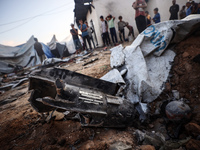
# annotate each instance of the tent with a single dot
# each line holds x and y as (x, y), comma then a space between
(57, 49)
(47, 51)
(70, 44)
(15, 57)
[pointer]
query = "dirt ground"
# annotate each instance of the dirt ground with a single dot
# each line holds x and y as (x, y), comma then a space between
(21, 127)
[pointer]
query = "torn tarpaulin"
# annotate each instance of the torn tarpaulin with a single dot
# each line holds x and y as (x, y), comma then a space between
(117, 56)
(113, 76)
(149, 59)
(12, 58)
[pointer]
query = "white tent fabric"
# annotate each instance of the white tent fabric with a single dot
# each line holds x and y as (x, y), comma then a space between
(148, 60)
(24, 56)
(52, 43)
(70, 44)
(58, 49)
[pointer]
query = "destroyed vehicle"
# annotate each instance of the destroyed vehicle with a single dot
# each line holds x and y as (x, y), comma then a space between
(93, 99)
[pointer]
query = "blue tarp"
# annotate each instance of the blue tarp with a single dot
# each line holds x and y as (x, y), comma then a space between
(47, 51)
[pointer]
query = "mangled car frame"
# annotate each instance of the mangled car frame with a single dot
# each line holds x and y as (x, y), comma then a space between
(64, 90)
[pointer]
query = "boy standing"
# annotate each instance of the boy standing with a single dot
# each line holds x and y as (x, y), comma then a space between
(85, 35)
(131, 31)
(121, 25)
(105, 35)
(156, 18)
(148, 18)
(74, 33)
(111, 25)
(182, 13)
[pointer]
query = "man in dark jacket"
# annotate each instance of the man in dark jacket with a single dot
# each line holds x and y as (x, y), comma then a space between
(39, 50)
(174, 9)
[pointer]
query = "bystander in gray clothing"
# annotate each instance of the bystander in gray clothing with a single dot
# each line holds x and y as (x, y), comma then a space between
(90, 31)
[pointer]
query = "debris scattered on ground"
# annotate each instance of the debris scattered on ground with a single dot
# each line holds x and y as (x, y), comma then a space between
(91, 61)
(67, 100)
(120, 146)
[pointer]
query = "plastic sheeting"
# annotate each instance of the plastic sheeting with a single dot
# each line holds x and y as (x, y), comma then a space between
(23, 56)
(54, 60)
(57, 49)
(47, 51)
(117, 52)
(70, 44)
(113, 76)
(149, 58)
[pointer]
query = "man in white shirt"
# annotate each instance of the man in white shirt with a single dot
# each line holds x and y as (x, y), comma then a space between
(105, 34)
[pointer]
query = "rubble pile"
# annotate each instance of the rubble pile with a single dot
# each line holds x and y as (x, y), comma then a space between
(138, 97)
(184, 80)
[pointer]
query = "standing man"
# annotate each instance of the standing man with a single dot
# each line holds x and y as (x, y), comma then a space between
(39, 50)
(174, 9)
(90, 31)
(105, 34)
(111, 25)
(77, 43)
(85, 35)
(121, 25)
(140, 18)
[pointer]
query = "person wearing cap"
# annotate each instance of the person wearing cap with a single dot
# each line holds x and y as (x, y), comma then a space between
(174, 9)
(77, 44)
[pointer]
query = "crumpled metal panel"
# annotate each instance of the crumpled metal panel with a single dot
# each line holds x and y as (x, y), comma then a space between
(74, 78)
(50, 91)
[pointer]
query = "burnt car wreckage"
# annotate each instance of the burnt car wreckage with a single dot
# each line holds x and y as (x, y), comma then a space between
(93, 99)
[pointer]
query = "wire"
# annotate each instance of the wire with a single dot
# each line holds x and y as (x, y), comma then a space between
(56, 12)
(16, 26)
(31, 18)
(35, 15)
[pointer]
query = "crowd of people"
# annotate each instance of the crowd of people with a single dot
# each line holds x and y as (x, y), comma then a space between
(142, 19)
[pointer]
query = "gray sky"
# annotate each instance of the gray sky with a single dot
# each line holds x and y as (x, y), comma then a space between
(45, 18)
